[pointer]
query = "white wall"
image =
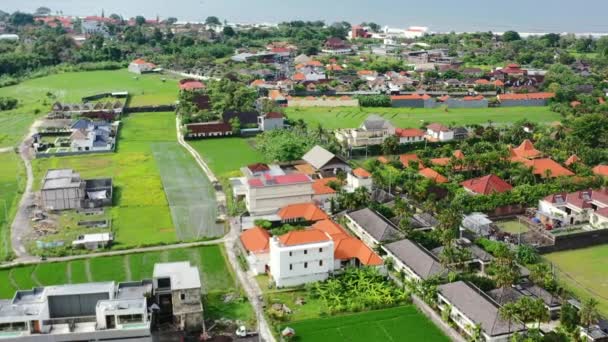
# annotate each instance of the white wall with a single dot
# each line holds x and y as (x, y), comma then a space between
(300, 264)
(268, 199)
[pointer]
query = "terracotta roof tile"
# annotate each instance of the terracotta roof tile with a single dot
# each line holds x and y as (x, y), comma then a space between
(347, 247)
(409, 132)
(361, 173)
(320, 186)
(407, 158)
(601, 170)
(433, 175)
(305, 211)
(301, 237)
(573, 159)
(527, 150)
(487, 185)
(542, 166)
(530, 96)
(256, 240)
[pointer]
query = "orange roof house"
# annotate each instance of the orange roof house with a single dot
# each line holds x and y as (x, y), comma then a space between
(361, 173)
(445, 161)
(409, 132)
(298, 76)
(347, 247)
(482, 81)
(526, 150)
(601, 170)
(547, 167)
(383, 159)
(572, 160)
(308, 212)
(433, 175)
(407, 158)
(301, 237)
(320, 186)
(529, 96)
(256, 240)
(486, 185)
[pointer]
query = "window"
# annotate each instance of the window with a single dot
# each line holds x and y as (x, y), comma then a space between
(290, 267)
(305, 265)
(126, 319)
(306, 251)
(290, 253)
(320, 262)
(320, 250)
(182, 296)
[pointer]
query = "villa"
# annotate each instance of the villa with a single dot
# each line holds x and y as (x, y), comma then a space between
(373, 131)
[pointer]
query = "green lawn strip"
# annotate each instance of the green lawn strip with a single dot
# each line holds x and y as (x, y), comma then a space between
(12, 181)
(108, 268)
(513, 226)
(142, 264)
(349, 117)
(227, 155)
(189, 192)
(402, 323)
(7, 289)
(22, 277)
(584, 272)
(218, 274)
(216, 308)
(51, 273)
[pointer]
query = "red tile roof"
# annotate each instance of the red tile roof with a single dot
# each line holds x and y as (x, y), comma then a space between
(209, 127)
(347, 247)
(407, 158)
(473, 98)
(530, 96)
(601, 170)
(445, 161)
(334, 67)
(258, 167)
(189, 84)
(527, 150)
(410, 97)
(305, 211)
(499, 83)
(320, 186)
(437, 127)
(482, 81)
(361, 173)
(433, 175)
(575, 104)
(294, 178)
(255, 240)
(365, 72)
(301, 237)
(258, 83)
(383, 160)
(298, 76)
(274, 115)
(541, 166)
(572, 160)
(409, 132)
(487, 185)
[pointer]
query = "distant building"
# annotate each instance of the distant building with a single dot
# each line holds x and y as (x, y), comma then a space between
(416, 261)
(413, 101)
(208, 130)
(93, 241)
(323, 161)
(486, 185)
(373, 131)
(409, 135)
(8, 36)
(359, 178)
(439, 132)
(336, 46)
(140, 66)
(566, 209)
(371, 227)
(270, 121)
(526, 100)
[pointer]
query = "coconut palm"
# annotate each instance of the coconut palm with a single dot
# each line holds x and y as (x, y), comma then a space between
(589, 312)
(509, 312)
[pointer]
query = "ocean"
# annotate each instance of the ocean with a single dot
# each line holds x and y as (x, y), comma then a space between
(439, 15)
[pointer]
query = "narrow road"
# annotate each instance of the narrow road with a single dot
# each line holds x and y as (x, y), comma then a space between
(21, 224)
(249, 284)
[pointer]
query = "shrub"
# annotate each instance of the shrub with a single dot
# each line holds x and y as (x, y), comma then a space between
(8, 103)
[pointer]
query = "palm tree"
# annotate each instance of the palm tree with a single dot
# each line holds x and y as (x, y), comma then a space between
(476, 333)
(509, 312)
(589, 312)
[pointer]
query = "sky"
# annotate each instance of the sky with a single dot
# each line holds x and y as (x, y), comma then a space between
(439, 15)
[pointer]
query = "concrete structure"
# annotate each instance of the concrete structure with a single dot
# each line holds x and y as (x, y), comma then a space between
(512, 294)
(413, 101)
(359, 178)
(63, 189)
(373, 131)
(93, 241)
(103, 311)
(529, 100)
(468, 306)
(371, 227)
(342, 101)
(439, 132)
(467, 102)
(96, 136)
(270, 121)
(566, 209)
(268, 188)
(414, 260)
(177, 288)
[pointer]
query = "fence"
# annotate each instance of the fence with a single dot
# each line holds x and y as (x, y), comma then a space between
(151, 109)
(433, 316)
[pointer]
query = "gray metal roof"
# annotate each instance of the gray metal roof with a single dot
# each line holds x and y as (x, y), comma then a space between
(375, 122)
(417, 258)
(478, 307)
(61, 179)
(182, 275)
(319, 157)
(375, 225)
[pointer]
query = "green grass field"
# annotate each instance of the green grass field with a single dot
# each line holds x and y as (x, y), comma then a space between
(227, 155)
(350, 117)
(583, 271)
(512, 226)
(217, 278)
(402, 323)
(190, 193)
(12, 183)
(140, 214)
(40, 93)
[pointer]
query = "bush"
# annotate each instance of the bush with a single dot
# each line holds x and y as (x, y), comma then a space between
(374, 101)
(8, 103)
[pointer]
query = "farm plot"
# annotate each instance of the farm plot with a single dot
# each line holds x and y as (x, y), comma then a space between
(402, 323)
(225, 156)
(12, 181)
(189, 192)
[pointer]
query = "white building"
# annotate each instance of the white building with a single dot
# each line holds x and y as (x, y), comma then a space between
(566, 209)
(439, 132)
(359, 178)
(140, 66)
(373, 131)
(410, 135)
(270, 121)
(371, 227)
(93, 241)
(268, 188)
(300, 257)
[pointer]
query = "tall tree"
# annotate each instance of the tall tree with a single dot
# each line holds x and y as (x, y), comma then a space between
(589, 312)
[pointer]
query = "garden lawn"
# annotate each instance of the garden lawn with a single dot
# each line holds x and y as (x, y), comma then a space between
(12, 182)
(350, 117)
(583, 271)
(512, 226)
(140, 212)
(225, 156)
(402, 323)
(37, 95)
